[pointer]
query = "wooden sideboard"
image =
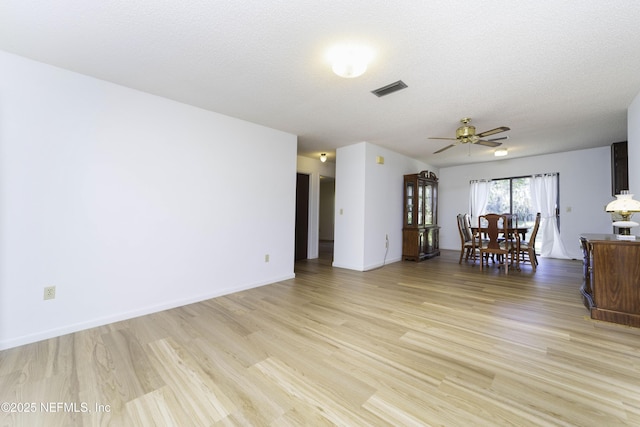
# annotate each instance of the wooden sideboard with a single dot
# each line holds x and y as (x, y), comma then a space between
(611, 287)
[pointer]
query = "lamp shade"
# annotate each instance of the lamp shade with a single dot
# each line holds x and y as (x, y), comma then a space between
(625, 224)
(624, 203)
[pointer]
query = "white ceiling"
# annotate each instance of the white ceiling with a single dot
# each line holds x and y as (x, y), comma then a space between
(559, 73)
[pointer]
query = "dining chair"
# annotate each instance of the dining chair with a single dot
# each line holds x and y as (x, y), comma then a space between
(467, 242)
(500, 242)
(512, 219)
(469, 231)
(527, 250)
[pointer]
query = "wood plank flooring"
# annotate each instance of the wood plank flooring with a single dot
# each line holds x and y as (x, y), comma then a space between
(410, 344)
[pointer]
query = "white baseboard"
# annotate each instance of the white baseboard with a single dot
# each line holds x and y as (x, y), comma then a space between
(117, 317)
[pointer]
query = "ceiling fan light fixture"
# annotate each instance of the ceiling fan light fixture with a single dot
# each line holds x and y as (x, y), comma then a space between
(350, 60)
(500, 152)
(465, 132)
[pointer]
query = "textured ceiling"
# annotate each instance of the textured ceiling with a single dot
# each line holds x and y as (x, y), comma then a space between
(559, 73)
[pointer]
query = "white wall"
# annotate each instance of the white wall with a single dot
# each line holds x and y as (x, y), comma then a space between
(348, 243)
(315, 169)
(633, 124)
(585, 189)
(129, 203)
(369, 205)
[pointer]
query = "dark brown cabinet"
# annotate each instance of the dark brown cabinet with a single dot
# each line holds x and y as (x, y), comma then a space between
(611, 286)
(420, 231)
(619, 167)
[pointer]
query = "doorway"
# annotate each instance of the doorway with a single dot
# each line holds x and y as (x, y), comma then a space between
(302, 216)
(326, 217)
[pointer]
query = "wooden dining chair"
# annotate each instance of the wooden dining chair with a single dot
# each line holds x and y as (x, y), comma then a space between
(500, 243)
(467, 242)
(478, 238)
(526, 251)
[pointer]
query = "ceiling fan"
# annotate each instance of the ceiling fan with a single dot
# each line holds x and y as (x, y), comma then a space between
(466, 134)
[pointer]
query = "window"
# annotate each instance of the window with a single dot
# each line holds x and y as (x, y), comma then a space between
(513, 196)
(523, 197)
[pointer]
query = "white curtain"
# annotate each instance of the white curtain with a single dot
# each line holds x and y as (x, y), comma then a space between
(478, 198)
(544, 194)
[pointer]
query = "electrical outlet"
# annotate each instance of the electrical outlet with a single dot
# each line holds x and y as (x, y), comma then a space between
(49, 292)
(386, 241)
(266, 258)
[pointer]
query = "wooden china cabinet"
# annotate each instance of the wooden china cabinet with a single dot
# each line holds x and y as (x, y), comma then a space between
(420, 231)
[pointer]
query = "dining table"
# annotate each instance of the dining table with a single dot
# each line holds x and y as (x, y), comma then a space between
(521, 230)
(512, 230)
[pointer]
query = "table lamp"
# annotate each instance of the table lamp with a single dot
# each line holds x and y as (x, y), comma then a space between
(625, 206)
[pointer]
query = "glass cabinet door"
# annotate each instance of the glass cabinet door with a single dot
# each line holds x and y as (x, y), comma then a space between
(420, 204)
(428, 204)
(409, 203)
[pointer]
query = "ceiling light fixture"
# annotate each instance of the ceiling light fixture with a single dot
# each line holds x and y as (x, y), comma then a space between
(350, 60)
(500, 152)
(323, 157)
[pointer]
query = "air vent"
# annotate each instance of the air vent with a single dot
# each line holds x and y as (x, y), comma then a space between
(390, 88)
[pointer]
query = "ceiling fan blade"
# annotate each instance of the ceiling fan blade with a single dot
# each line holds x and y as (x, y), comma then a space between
(497, 139)
(493, 131)
(445, 148)
(435, 137)
(490, 143)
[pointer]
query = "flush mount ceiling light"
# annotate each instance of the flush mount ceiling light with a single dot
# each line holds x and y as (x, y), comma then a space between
(500, 152)
(350, 60)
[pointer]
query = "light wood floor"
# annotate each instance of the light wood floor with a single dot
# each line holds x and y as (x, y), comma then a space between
(410, 344)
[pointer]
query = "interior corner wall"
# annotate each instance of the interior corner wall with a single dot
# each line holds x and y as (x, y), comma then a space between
(633, 138)
(130, 203)
(348, 244)
(581, 211)
(369, 205)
